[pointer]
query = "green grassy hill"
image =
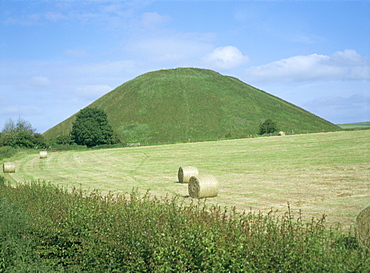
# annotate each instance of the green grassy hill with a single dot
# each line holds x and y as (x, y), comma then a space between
(190, 104)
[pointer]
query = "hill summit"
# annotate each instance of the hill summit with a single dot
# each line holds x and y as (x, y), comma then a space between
(192, 104)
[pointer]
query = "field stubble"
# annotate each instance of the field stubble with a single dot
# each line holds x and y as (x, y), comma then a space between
(324, 173)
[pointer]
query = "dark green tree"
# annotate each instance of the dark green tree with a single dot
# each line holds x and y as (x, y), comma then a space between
(91, 128)
(267, 127)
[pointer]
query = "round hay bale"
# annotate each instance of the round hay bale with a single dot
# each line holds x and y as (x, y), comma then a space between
(281, 133)
(43, 154)
(363, 227)
(186, 172)
(9, 167)
(203, 186)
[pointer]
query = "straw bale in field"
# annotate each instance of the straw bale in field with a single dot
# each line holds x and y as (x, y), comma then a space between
(186, 172)
(203, 186)
(281, 133)
(363, 227)
(9, 167)
(43, 154)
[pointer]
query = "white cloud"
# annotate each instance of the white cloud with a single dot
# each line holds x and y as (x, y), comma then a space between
(21, 110)
(305, 39)
(224, 58)
(77, 11)
(102, 71)
(35, 18)
(341, 109)
(168, 46)
(25, 20)
(348, 57)
(151, 19)
(92, 91)
(35, 82)
(75, 53)
(342, 65)
(40, 81)
(115, 8)
(54, 16)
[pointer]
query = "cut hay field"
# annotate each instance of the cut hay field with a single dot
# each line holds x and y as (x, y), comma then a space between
(323, 173)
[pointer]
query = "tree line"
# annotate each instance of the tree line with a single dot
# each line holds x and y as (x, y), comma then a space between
(91, 128)
(21, 134)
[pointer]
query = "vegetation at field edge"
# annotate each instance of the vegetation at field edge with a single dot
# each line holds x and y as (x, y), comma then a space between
(79, 231)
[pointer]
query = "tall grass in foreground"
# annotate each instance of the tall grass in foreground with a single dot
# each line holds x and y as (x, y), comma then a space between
(74, 231)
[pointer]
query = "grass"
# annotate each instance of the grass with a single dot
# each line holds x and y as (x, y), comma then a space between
(359, 125)
(179, 105)
(324, 173)
(7, 152)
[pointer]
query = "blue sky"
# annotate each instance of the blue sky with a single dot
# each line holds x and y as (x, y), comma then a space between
(56, 57)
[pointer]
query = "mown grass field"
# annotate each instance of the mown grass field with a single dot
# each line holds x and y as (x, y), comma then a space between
(323, 173)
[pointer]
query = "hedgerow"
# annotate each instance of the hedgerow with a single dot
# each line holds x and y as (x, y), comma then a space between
(70, 230)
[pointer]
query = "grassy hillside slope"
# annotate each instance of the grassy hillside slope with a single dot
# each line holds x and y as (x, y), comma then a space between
(189, 104)
(324, 173)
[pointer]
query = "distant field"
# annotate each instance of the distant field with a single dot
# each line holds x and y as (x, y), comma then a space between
(324, 173)
(359, 125)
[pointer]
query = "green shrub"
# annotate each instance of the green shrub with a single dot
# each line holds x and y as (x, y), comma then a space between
(267, 127)
(20, 134)
(88, 232)
(64, 140)
(15, 245)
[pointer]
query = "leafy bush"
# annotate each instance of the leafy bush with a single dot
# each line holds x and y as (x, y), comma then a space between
(88, 232)
(64, 140)
(16, 253)
(21, 134)
(13, 245)
(267, 127)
